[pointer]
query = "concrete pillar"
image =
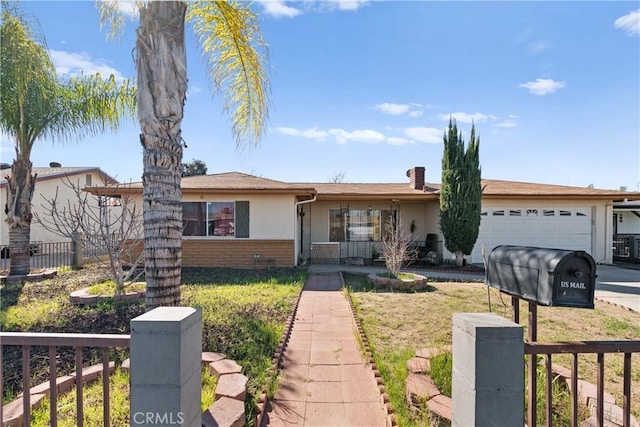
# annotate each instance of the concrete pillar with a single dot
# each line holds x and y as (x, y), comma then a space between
(166, 383)
(488, 371)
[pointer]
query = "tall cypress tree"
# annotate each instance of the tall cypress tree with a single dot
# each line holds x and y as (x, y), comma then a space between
(460, 192)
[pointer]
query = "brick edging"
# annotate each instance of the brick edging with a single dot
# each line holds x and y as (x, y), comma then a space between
(276, 362)
(615, 304)
(48, 273)
(384, 397)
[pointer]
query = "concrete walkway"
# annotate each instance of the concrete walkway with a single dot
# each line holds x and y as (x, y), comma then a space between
(326, 381)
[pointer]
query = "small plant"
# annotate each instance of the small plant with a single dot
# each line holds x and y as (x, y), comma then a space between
(441, 369)
(273, 382)
(374, 253)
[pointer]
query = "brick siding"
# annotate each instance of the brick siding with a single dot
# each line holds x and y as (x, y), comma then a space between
(237, 253)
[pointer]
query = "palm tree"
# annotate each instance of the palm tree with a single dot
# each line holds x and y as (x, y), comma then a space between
(237, 57)
(34, 103)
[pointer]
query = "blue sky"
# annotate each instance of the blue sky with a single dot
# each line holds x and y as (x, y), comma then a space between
(366, 89)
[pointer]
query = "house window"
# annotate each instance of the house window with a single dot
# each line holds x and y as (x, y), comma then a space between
(104, 201)
(87, 180)
(353, 225)
(219, 219)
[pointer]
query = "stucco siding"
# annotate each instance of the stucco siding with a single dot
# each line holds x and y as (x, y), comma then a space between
(270, 216)
(46, 190)
(628, 223)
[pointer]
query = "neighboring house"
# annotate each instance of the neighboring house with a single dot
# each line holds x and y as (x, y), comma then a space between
(239, 220)
(51, 181)
(626, 231)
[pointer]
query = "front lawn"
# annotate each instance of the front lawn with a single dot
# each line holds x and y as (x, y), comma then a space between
(244, 312)
(398, 324)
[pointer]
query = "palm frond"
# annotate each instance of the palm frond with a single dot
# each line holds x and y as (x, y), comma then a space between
(90, 105)
(111, 16)
(28, 79)
(34, 102)
(238, 58)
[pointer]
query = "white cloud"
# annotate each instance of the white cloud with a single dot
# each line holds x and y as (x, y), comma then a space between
(543, 86)
(629, 23)
(423, 134)
(288, 131)
(193, 90)
(367, 136)
(395, 140)
(75, 64)
(279, 8)
(349, 4)
(128, 8)
(538, 46)
(464, 117)
(399, 109)
(393, 109)
(513, 116)
(312, 133)
(507, 124)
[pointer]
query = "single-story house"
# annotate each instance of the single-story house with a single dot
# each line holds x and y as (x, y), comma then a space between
(51, 182)
(240, 220)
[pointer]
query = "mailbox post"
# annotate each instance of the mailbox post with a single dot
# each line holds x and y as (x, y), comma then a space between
(541, 276)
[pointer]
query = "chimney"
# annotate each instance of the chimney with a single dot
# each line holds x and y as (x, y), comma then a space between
(416, 177)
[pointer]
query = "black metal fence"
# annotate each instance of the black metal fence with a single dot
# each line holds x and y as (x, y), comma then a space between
(626, 248)
(43, 255)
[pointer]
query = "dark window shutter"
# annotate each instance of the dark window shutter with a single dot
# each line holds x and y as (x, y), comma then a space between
(242, 220)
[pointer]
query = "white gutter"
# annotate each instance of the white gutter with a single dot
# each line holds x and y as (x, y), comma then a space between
(295, 237)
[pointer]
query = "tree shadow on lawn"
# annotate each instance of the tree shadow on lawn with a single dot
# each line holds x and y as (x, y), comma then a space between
(9, 294)
(232, 276)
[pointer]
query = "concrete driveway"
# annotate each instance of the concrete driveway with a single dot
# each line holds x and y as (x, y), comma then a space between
(620, 286)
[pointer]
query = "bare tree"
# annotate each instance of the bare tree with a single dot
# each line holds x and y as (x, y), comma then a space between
(396, 247)
(336, 177)
(110, 226)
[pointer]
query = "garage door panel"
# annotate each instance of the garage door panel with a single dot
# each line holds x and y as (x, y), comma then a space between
(557, 227)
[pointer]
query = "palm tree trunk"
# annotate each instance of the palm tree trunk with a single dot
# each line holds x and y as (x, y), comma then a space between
(20, 189)
(162, 87)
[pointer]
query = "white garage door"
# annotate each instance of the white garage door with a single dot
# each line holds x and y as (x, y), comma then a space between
(553, 227)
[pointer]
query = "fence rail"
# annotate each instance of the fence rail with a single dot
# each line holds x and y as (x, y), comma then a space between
(626, 247)
(59, 254)
(52, 340)
(584, 347)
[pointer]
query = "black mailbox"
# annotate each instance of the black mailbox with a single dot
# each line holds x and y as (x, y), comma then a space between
(553, 277)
